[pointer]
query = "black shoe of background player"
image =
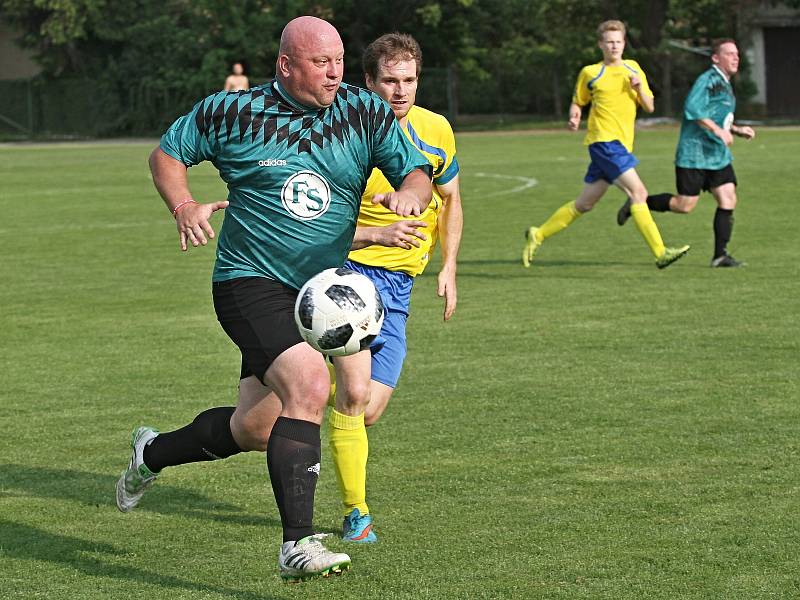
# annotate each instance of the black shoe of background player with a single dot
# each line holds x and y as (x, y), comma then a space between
(726, 261)
(624, 213)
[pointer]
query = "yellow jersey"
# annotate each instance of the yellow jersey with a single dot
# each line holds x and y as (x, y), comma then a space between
(432, 135)
(613, 100)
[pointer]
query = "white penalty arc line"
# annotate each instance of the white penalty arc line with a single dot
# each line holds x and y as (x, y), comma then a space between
(527, 183)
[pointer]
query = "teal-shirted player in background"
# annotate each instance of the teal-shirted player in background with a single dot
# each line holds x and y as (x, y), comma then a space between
(703, 160)
(296, 154)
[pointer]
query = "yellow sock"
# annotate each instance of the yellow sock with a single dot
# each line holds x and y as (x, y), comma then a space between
(648, 228)
(350, 450)
(332, 393)
(559, 220)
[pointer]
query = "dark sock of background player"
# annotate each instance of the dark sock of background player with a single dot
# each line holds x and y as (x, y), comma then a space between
(208, 437)
(723, 228)
(659, 202)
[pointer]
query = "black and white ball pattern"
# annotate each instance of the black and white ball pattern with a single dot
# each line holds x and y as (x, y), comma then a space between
(339, 312)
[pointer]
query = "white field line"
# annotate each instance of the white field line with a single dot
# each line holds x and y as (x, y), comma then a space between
(527, 183)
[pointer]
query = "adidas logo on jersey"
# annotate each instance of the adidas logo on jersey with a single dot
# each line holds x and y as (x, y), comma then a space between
(272, 162)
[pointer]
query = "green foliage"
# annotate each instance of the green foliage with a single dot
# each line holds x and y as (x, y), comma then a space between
(153, 58)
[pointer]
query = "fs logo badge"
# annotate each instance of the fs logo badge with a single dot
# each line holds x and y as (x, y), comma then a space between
(306, 195)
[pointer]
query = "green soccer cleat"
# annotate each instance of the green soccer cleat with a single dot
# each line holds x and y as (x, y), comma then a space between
(135, 480)
(307, 558)
(670, 256)
(531, 246)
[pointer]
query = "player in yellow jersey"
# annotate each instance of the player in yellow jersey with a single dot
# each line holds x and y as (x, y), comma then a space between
(615, 88)
(391, 252)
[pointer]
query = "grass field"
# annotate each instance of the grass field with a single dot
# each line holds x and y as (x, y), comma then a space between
(589, 428)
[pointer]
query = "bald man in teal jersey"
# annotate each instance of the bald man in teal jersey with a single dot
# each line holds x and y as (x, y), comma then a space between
(296, 154)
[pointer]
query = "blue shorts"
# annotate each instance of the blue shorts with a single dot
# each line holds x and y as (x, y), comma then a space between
(609, 161)
(389, 348)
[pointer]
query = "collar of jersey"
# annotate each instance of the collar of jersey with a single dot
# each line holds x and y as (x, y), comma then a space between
(725, 77)
(281, 91)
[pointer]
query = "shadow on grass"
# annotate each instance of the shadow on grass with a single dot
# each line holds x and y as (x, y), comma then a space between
(94, 489)
(29, 543)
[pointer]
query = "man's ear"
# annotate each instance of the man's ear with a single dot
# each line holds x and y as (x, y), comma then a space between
(283, 65)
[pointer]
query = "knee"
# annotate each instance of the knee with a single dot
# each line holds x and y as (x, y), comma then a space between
(683, 204)
(250, 435)
(638, 195)
(353, 394)
(315, 390)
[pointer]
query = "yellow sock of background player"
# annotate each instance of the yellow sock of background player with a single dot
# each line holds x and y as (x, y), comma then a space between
(350, 450)
(559, 220)
(648, 228)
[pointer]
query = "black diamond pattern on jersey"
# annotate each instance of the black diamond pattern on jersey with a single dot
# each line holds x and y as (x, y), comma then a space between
(258, 122)
(270, 127)
(353, 119)
(316, 138)
(230, 118)
(245, 118)
(222, 113)
(206, 127)
(387, 124)
(218, 116)
(283, 133)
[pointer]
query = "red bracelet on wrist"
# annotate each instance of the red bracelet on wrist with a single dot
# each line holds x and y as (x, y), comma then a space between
(180, 206)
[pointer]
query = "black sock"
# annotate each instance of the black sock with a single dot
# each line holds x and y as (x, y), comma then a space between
(208, 437)
(659, 202)
(723, 227)
(293, 456)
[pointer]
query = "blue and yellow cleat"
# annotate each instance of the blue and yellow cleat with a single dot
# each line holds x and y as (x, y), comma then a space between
(358, 528)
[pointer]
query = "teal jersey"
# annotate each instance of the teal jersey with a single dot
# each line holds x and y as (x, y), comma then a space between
(711, 97)
(295, 174)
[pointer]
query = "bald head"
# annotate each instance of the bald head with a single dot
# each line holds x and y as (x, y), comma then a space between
(310, 61)
(307, 34)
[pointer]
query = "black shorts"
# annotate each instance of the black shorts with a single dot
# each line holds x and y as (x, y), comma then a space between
(258, 315)
(690, 182)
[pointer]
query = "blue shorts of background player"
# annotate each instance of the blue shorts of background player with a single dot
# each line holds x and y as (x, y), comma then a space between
(389, 348)
(609, 161)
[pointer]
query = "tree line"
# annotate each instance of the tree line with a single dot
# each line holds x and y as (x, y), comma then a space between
(509, 56)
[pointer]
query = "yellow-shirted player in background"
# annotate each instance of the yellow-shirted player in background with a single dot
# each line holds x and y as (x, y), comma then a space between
(391, 251)
(615, 88)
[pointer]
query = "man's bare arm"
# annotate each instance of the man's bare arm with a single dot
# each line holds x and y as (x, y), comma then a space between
(451, 225)
(648, 103)
(172, 183)
(718, 131)
(402, 234)
(411, 198)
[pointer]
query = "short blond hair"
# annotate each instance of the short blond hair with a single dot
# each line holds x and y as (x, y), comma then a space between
(612, 25)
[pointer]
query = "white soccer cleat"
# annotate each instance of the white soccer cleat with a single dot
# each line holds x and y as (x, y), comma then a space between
(135, 480)
(309, 558)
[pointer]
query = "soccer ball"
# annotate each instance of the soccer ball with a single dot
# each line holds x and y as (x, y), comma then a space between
(339, 312)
